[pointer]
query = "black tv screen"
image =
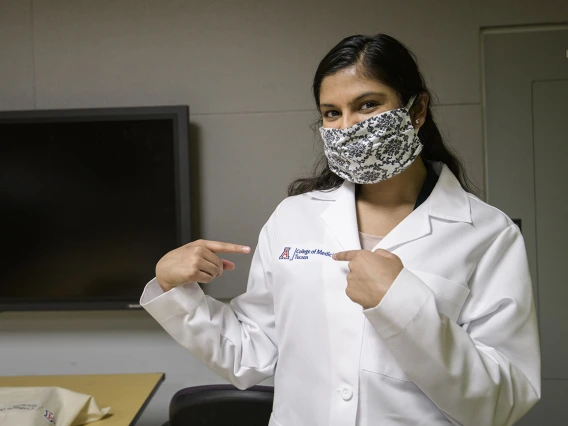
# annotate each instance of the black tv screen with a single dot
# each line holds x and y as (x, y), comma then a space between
(89, 202)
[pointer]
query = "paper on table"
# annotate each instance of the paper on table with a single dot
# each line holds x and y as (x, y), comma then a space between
(45, 406)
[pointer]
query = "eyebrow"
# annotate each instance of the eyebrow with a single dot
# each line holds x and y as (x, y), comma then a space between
(361, 96)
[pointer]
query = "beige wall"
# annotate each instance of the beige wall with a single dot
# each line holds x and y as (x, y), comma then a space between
(244, 68)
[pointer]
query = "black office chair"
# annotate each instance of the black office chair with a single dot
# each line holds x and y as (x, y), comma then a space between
(221, 405)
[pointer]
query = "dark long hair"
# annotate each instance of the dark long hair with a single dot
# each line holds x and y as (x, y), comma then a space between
(384, 59)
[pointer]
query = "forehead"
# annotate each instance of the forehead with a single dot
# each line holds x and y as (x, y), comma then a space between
(347, 84)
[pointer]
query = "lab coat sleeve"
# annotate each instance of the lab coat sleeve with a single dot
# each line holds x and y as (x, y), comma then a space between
(484, 369)
(237, 341)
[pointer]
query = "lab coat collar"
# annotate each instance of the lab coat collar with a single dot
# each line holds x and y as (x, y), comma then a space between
(448, 201)
(341, 216)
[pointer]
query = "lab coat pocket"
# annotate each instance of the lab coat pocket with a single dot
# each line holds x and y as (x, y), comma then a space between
(377, 358)
(396, 403)
(450, 295)
(376, 355)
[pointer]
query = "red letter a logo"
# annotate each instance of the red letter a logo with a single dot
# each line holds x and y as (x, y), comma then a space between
(285, 254)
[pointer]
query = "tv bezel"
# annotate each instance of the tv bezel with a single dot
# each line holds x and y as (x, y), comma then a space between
(179, 114)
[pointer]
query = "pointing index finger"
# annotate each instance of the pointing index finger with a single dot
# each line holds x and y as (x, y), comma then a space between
(345, 255)
(220, 247)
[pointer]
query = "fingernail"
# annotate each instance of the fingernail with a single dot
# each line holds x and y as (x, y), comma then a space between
(246, 249)
(333, 256)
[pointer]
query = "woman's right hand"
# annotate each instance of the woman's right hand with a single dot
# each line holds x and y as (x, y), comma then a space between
(195, 262)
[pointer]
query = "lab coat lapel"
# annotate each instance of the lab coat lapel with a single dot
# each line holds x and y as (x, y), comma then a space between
(448, 201)
(414, 226)
(341, 218)
(345, 318)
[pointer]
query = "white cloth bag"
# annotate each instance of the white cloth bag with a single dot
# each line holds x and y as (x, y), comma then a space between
(47, 406)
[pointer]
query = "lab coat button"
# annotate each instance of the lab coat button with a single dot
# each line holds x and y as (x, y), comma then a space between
(347, 393)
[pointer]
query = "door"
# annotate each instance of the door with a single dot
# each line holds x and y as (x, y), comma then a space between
(525, 75)
(550, 113)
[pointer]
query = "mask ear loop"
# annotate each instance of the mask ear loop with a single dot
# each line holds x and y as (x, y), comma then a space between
(407, 108)
(410, 103)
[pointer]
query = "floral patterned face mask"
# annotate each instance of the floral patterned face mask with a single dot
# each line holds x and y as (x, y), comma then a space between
(375, 149)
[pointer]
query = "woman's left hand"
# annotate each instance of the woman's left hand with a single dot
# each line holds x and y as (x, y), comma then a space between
(371, 274)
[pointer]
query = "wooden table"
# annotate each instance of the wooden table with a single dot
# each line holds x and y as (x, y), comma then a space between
(126, 394)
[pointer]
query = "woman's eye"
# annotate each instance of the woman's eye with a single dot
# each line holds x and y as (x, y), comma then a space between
(368, 105)
(331, 114)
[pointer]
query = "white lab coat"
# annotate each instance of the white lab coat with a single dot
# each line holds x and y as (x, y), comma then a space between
(454, 340)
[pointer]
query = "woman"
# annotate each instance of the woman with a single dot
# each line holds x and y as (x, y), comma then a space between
(382, 292)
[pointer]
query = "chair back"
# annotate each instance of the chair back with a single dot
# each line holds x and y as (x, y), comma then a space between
(221, 405)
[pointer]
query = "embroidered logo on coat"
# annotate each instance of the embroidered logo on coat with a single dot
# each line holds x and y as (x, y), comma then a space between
(49, 416)
(285, 254)
(302, 253)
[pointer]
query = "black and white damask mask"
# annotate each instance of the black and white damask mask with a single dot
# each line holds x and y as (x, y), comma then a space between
(375, 149)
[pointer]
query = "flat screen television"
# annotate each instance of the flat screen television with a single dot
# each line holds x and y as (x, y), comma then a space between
(90, 199)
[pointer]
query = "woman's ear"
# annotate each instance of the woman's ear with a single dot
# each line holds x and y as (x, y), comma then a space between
(419, 110)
